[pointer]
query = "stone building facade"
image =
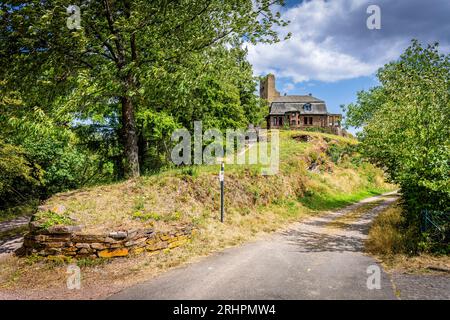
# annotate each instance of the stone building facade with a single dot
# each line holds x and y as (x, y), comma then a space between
(297, 111)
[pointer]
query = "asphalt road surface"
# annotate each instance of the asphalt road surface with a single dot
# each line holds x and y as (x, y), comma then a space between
(310, 260)
(9, 239)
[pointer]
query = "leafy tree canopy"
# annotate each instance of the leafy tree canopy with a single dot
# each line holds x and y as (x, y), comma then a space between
(130, 57)
(406, 126)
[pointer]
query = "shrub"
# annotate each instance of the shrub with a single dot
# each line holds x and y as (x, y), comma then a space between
(412, 146)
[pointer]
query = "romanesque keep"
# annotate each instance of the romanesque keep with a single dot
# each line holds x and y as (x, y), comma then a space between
(297, 111)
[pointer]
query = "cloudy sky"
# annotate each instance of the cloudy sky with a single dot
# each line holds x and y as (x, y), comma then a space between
(332, 54)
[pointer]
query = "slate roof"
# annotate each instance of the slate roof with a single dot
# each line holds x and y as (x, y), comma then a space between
(284, 104)
(299, 99)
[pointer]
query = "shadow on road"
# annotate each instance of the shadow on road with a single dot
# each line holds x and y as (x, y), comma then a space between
(328, 234)
(308, 241)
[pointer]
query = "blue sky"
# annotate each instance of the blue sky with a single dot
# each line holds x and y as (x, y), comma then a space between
(334, 93)
(333, 55)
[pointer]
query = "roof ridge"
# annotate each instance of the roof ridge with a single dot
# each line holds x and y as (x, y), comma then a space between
(297, 98)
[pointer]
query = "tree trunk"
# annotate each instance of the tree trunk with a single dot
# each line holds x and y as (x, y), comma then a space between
(143, 149)
(130, 139)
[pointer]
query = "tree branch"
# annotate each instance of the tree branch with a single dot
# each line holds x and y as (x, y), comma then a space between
(117, 38)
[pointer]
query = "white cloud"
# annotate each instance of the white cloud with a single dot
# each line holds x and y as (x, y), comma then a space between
(331, 42)
(287, 87)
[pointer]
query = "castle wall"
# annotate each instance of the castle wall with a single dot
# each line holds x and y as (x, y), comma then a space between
(267, 88)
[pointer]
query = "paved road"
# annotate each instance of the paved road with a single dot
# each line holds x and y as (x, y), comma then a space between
(9, 239)
(310, 260)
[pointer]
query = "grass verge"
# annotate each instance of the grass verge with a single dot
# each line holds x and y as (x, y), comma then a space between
(388, 241)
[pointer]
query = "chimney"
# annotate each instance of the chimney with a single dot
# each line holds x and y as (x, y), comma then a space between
(310, 94)
(267, 88)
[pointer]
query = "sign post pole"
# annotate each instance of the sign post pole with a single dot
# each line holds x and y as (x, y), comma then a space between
(221, 178)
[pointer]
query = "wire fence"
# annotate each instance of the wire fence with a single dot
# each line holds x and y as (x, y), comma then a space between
(436, 223)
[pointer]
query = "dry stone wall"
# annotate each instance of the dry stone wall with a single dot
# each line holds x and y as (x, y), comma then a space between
(72, 241)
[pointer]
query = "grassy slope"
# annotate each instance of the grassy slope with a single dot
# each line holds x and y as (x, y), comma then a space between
(192, 195)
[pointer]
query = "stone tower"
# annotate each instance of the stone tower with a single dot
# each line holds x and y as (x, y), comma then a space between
(267, 88)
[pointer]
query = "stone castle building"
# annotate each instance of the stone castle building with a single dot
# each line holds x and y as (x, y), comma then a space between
(297, 111)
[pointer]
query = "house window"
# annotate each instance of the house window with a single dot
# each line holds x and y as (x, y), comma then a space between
(307, 107)
(307, 121)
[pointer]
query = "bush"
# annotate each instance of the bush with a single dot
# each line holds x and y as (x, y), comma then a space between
(406, 128)
(17, 175)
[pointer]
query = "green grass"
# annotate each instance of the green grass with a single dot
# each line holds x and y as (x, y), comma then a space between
(317, 201)
(186, 194)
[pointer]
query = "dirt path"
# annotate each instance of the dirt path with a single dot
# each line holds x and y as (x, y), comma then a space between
(319, 258)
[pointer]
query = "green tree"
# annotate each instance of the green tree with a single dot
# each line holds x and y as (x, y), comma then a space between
(16, 174)
(406, 126)
(117, 55)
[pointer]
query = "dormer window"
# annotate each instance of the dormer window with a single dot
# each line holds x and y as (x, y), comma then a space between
(307, 107)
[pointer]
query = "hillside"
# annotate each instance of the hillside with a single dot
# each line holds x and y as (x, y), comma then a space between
(321, 174)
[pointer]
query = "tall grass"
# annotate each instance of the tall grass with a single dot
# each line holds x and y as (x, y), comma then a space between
(395, 243)
(386, 236)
